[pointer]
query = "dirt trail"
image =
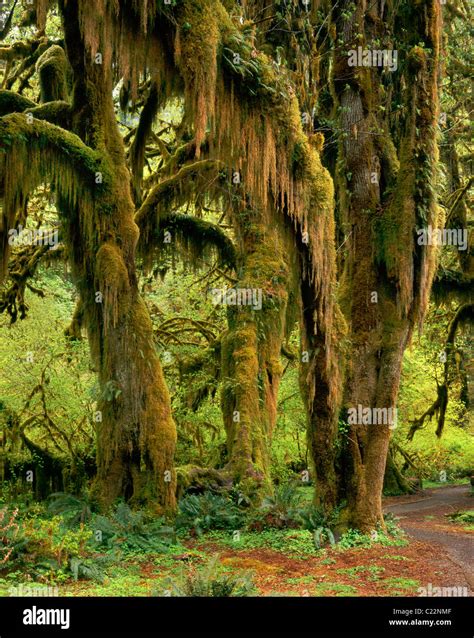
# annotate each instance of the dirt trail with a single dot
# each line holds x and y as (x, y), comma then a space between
(426, 521)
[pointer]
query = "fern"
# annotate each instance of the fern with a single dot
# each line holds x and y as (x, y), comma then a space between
(282, 508)
(320, 533)
(207, 511)
(72, 509)
(87, 569)
(210, 581)
(132, 531)
(320, 523)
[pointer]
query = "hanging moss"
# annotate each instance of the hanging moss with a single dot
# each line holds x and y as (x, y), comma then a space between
(413, 204)
(195, 237)
(174, 191)
(259, 133)
(137, 149)
(39, 151)
(452, 285)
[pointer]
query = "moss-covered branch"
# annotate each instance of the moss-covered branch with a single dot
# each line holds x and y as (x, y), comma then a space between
(464, 314)
(452, 284)
(137, 149)
(194, 236)
(174, 190)
(12, 102)
(35, 151)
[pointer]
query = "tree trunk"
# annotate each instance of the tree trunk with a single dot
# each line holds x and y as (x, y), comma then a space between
(135, 432)
(251, 350)
(384, 199)
(372, 385)
(394, 482)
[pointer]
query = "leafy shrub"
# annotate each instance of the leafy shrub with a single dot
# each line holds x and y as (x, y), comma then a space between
(463, 516)
(92, 568)
(282, 509)
(48, 539)
(45, 549)
(132, 531)
(210, 581)
(199, 513)
(320, 523)
(314, 516)
(72, 509)
(355, 538)
(391, 523)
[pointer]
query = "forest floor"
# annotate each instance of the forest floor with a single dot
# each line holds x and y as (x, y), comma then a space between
(285, 563)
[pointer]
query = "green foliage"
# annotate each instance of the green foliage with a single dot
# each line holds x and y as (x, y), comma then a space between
(282, 509)
(88, 568)
(321, 523)
(401, 586)
(354, 538)
(453, 453)
(391, 524)
(199, 513)
(12, 542)
(293, 543)
(463, 516)
(72, 509)
(131, 531)
(211, 581)
(46, 549)
(322, 533)
(373, 571)
(314, 517)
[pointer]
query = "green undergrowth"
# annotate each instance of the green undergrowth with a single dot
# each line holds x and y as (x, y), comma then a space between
(293, 543)
(464, 518)
(64, 542)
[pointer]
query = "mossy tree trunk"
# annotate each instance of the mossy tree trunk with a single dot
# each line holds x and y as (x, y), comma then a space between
(394, 482)
(251, 350)
(386, 193)
(135, 431)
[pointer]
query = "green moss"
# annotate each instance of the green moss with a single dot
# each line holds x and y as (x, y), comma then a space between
(195, 237)
(416, 59)
(52, 67)
(58, 113)
(12, 102)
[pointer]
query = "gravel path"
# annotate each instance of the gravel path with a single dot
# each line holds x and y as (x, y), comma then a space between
(425, 520)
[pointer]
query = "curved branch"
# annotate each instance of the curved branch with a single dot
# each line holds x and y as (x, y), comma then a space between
(194, 236)
(464, 314)
(171, 189)
(7, 25)
(137, 149)
(450, 283)
(12, 102)
(35, 151)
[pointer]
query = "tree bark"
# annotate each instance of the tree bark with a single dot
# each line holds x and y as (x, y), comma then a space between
(386, 193)
(251, 350)
(135, 432)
